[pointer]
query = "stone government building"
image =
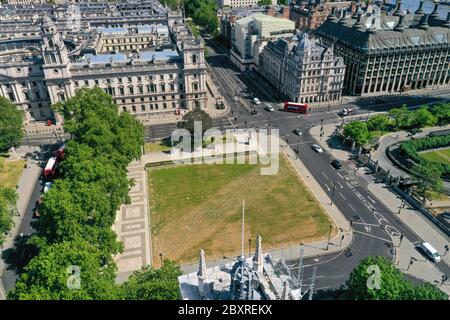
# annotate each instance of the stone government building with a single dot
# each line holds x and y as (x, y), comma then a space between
(389, 54)
(149, 62)
(302, 70)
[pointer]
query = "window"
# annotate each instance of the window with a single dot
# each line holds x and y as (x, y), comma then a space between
(172, 87)
(143, 107)
(163, 87)
(37, 95)
(27, 96)
(130, 90)
(194, 58)
(121, 91)
(124, 109)
(195, 86)
(164, 105)
(133, 108)
(61, 96)
(130, 79)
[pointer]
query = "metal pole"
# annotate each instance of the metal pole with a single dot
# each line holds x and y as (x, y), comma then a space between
(329, 236)
(332, 193)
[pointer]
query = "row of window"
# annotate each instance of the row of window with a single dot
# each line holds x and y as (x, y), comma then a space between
(128, 40)
(144, 108)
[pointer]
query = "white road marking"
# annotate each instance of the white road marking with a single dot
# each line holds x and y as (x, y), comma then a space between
(340, 185)
(325, 176)
(371, 199)
(327, 186)
(340, 175)
(342, 196)
(351, 207)
(371, 235)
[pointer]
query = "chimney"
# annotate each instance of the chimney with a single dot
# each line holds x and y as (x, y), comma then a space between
(358, 25)
(447, 22)
(398, 6)
(435, 14)
(201, 274)
(423, 24)
(420, 9)
(401, 24)
(258, 258)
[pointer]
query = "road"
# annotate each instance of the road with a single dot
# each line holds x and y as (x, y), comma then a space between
(374, 225)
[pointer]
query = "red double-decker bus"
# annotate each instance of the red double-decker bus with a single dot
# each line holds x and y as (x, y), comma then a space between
(50, 168)
(296, 107)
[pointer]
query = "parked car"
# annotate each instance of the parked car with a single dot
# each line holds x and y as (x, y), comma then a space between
(446, 214)
(47, 186)
(336, 164)
(253, 111)
(430, 252)
(256, 101)
(317, 148)
(298, 132)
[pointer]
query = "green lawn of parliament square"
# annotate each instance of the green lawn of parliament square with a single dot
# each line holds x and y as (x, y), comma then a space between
(199, 206)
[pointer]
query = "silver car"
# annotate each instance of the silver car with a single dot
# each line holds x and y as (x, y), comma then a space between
(317, 148)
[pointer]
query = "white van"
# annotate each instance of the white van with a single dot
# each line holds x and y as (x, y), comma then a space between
(256, 101)
(431, 252)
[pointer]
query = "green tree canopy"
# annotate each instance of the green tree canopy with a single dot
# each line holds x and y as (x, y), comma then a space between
(195, 115)
(392, 285)
(401, 117)
(429, 175)
(357, 131)
(11, 125)
(47, 276)
(8, 198)
(264, 3)
(379, 122)
(153, 284)
(422, 118)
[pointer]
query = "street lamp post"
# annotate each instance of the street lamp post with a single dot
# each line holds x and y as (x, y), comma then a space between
(332, 193)
(329, 236)
(342, 238)
(446, 249)
(249, 247)
(401, 207)
(161, 258)
(410, 263)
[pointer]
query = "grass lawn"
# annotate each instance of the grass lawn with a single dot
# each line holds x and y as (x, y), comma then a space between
(10, 172)
(199, 206)
(440, 156)
(156, 147)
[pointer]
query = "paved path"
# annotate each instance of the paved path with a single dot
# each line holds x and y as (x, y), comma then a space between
(25, 188)
(133, 226)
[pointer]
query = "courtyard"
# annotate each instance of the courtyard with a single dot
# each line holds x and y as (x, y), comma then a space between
(199, 206)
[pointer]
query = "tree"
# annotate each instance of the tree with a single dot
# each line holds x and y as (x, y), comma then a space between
(379, 122)
(53, 274)
(422, 118)
(153, 284)
(11, 125)
(429, 175)
(195, 115)
(401, 117)
(376, 278)
(357, 131)
(442, 113)
(8, 198)
(264, 3)
(282, 2)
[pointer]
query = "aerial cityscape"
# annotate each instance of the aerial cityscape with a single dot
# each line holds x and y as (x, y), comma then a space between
(224, 150)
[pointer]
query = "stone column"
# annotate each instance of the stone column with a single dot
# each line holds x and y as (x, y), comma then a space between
(258, 258)
(202, 276)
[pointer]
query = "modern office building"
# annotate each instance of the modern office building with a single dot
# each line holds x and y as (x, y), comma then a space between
(149, 69)
(302, 70)
(389, 54)
(250, 34)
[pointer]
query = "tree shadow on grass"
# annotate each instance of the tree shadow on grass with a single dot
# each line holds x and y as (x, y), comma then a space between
(17, 257)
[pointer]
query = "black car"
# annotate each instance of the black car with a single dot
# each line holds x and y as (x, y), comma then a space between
(336, 164)
(253, 112)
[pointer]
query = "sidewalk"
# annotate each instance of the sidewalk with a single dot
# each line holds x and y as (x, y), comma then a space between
(421, 268)
(25, 188)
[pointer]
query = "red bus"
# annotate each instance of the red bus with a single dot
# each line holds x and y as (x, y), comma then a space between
(59, 154)
(296, 107)
(50, 168)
